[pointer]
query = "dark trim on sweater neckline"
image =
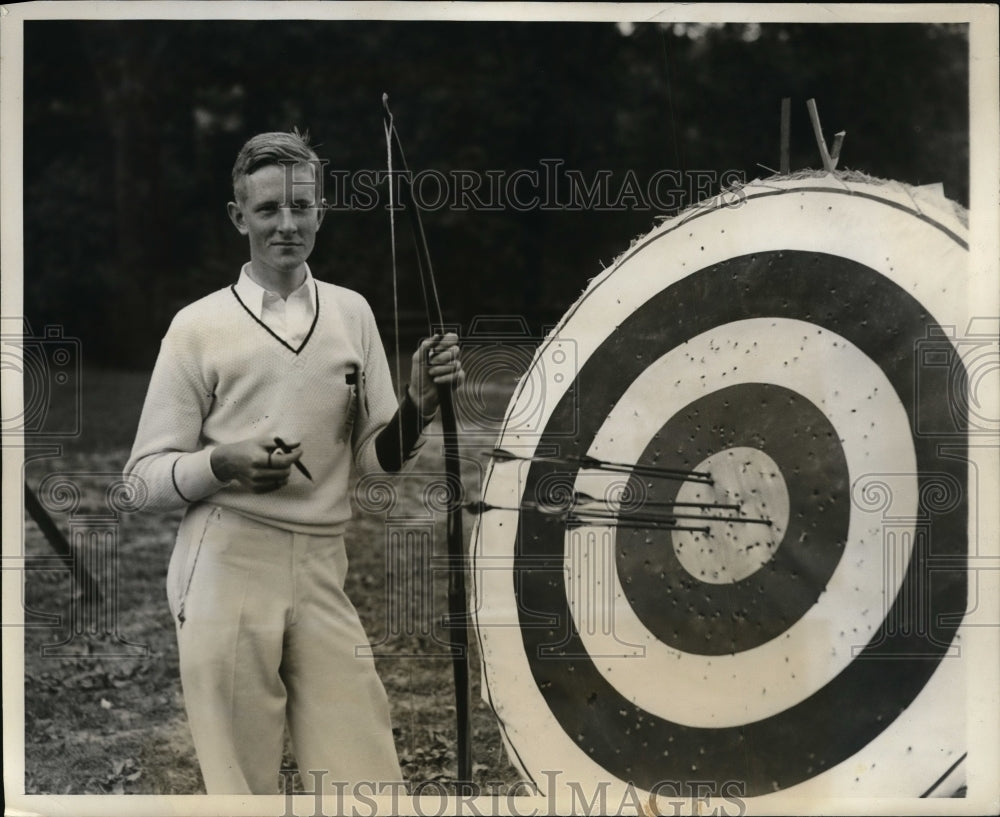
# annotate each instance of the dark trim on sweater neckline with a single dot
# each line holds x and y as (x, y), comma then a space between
(268, 329)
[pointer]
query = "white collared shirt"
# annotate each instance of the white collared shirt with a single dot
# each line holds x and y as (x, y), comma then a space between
(289, 318)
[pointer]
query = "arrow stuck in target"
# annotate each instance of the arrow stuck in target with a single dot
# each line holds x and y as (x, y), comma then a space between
(582, 497)
(575, 520)
(575, 516)
(501, 455)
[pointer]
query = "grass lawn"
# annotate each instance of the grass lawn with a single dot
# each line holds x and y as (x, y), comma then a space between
(102, 697)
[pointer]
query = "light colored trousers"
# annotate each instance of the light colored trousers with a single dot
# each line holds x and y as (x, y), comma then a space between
(266, 633)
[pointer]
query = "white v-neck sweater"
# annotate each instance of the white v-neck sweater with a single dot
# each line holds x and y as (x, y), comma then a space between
(222, 376)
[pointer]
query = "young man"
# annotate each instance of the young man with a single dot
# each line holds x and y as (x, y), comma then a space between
(263, 396)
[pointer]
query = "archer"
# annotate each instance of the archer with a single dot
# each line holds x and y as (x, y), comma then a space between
(278, 371)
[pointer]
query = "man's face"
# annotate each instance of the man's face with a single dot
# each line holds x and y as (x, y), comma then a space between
(280, 215)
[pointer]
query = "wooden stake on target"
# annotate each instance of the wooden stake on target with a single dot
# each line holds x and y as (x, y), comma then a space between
(829, 161)
(785, 165)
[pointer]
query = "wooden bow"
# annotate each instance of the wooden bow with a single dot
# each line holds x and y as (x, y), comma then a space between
(458, 635)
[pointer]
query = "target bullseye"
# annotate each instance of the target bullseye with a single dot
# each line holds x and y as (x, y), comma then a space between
(733, 551)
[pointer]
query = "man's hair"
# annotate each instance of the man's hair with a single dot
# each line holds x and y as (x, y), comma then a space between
(276, 148)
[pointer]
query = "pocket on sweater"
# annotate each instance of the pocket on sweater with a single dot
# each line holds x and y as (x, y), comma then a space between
(350, 403)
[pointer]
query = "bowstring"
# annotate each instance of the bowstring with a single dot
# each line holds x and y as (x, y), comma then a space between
(425, 249)
(387, 125)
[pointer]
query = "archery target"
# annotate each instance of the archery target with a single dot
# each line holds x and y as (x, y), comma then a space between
(773, 342)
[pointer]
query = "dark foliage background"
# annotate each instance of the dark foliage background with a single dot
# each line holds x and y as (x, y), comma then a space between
(131, 128)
